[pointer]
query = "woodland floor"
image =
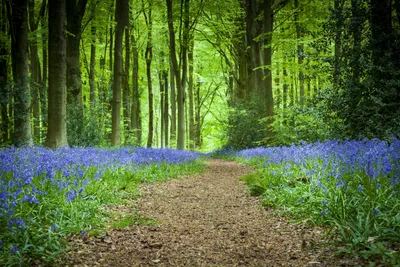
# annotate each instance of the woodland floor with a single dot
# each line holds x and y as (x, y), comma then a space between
(207, 219)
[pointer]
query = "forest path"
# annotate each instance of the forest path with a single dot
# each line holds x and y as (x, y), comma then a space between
(205, 220)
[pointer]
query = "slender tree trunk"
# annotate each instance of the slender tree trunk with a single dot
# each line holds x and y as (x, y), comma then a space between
(75, 12)
(136, 120)
(121, 18)
(268, 28)
(166, 108)
(162, 92)
(197, 107)
(22, 97)
(127, 90)
(300, 51)
(149, 58)
(173, 103)
(35, 72)
(356, 32)
(180, 92)
(191, 100)
(4, 94)
(285, 88)
(92, 73)
(43, 87)
(57, 115)
(338, 6)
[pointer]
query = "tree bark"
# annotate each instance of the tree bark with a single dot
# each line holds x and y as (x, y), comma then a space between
(149, 58)
(268, 28)
(92, 73)
(35, 68)
(166, 108)
(57, 115)
(43, 87)
(180, 92)
(173, 102)
(75, 12)
(22, 96)
(136, 120)
(338, 7)
(300, 51)
(127, 90)
(121, 17)
(4, 94)
(191, 100)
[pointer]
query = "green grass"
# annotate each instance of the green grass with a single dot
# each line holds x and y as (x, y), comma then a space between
(362, 215)
(90, 213)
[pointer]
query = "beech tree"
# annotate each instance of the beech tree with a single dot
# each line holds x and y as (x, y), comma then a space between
(57, 114)
(22, 96)
(121, 17)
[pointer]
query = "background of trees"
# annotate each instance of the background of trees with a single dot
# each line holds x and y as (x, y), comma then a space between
(197, 74)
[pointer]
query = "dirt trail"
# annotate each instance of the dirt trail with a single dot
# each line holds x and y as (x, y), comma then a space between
(205, 220)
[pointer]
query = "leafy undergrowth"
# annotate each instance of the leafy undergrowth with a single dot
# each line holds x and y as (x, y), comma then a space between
(46, 195)
(350, 186)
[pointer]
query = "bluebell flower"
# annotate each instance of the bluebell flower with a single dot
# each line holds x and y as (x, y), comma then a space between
(55, 226)
(376, 211)
(30, 199)
(378, 186)
(14, 250)
(360, 188)
(83, 233)
(323, 213)
(301, 201)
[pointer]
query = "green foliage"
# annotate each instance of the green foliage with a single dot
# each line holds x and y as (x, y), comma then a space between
(294, 124)
(84, 130)
(245, 127)
(362, 213)
(366, 97)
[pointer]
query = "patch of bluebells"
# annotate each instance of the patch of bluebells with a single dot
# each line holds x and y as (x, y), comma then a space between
(22, 170)
(335, 159)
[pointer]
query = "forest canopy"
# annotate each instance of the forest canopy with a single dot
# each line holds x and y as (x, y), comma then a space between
(197, 74)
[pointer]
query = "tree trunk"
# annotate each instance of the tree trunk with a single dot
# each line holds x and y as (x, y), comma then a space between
(268, 28)
(338, 6)
(127, 90)
(191, 100)
(166, 108)
(121, 18)
(43, 87)
(197, 107)
(136, 120)
(75, 13)
(22, 97)
(300, 51)
(57, 115)
(162, 92)
(92, 73)
(4, 94)
(173, 102)
(35, 72)
(180, 92)
(285, 88)
(149, 58)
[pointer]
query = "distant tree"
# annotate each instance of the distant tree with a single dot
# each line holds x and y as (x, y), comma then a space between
(22, 96)
(4, 90)
(178, 80)
(75, 12)
(149, 58)
(57, 123)
(121, 17)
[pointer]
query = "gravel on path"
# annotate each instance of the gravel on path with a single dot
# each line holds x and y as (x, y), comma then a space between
(207, 219)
